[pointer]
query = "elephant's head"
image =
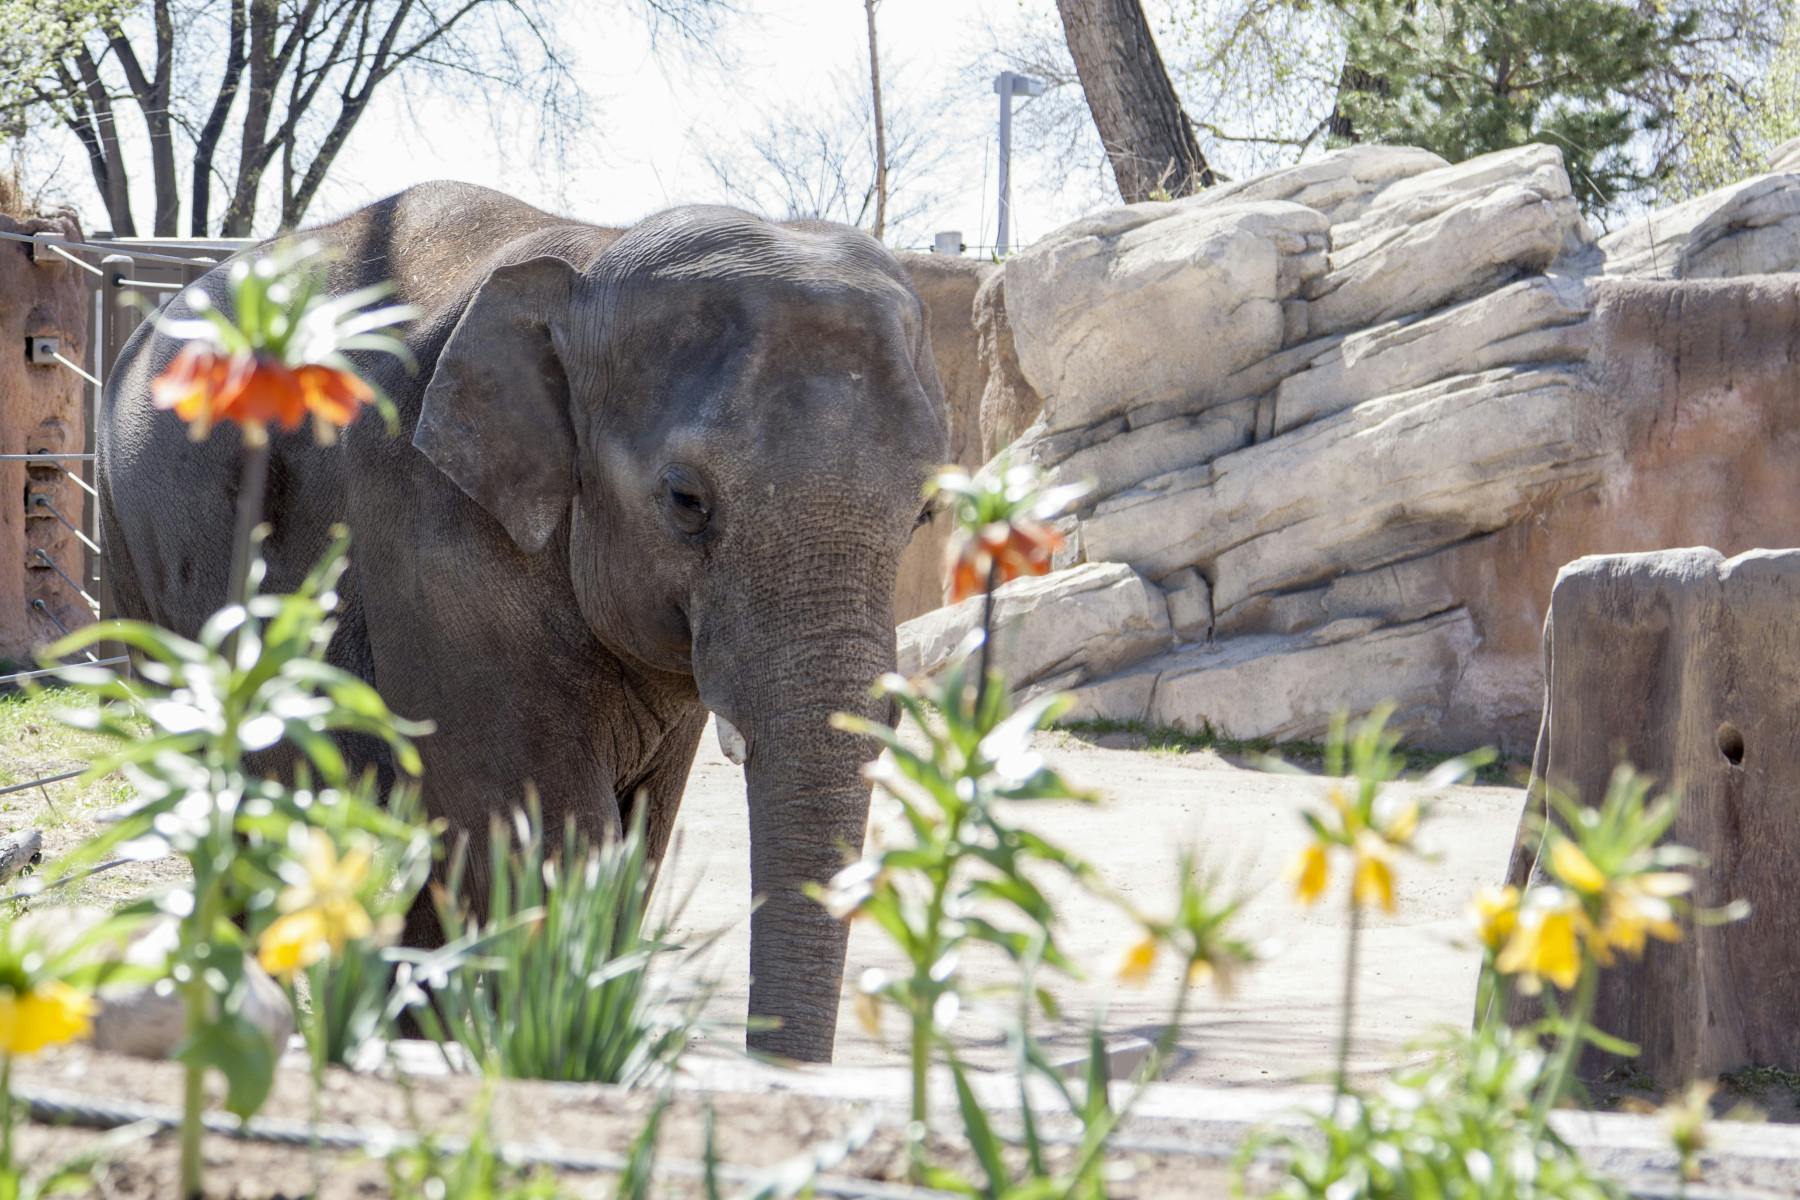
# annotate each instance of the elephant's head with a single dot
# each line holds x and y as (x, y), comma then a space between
(734, 419)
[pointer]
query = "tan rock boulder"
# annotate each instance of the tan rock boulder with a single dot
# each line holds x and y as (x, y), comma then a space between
(1387, 480)
(1156, 304)
(1749, 228)
(1008, 403)
(1054, 629)
(1447, 235)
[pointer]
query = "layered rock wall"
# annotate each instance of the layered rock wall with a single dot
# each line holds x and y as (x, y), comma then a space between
(1351, 418)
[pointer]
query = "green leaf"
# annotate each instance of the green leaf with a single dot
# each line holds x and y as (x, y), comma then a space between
(989, 1151)
(238, 1050)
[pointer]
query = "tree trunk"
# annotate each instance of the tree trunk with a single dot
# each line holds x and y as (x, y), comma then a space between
(1148, 138)
(115, 185)
(253, 152)
(881, 159)
(206, 143)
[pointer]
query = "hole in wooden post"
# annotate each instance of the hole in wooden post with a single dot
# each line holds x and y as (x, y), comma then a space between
(1731, 744)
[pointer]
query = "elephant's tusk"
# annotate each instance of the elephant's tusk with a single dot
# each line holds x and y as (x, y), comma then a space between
(731, 742)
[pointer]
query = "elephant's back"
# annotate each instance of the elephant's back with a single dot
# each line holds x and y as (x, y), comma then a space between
(167, 503)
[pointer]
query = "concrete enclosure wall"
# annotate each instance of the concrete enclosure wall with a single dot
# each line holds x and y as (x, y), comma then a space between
(42, 409)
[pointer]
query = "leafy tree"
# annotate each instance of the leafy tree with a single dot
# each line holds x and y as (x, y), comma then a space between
(1728, 129)
(820, 157)
(281, 82)
(1464, 77)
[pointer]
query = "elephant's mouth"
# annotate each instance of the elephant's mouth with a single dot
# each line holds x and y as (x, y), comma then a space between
(732, 743)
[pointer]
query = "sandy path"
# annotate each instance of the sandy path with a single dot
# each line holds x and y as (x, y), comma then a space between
(1280, 1023)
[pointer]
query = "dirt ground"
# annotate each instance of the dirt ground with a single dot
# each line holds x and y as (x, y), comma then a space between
(1280, 1023)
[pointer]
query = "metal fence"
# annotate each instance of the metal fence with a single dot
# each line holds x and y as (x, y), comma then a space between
(129, 278)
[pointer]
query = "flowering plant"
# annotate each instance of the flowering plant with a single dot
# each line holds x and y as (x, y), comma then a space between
(233, 739)
(280, 355)
(969, 875)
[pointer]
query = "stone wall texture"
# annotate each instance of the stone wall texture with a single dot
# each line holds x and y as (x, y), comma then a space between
(41, 409)
(1350, 419)
(1686, 664)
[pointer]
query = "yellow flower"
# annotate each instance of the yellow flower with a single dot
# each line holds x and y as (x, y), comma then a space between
(1403, 825)
(1338, 797)
(1546, 945)
(1569, 864)
(1496, 912)
(1221, 972)
(868, 1014)
(1685, 1120)
(867, 1003)
(1134, 971)
(293, 943)
(1374, 873)
(1639, 906)
(322, 912)
(1309, 873)
(46, 1015)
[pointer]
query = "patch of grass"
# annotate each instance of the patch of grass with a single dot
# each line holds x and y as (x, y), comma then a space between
(1158, 739)
(36, 744)
(1759, 1081)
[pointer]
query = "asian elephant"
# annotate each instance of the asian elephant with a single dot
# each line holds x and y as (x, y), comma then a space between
(640, 475)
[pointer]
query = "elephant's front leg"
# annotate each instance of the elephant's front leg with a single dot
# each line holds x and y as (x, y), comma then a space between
(659, 789)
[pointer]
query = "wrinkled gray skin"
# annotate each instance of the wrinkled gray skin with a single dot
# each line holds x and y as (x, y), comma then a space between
(639, 476)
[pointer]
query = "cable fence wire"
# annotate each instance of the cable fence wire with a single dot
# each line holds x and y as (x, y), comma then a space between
(44, 556)
(63, 247)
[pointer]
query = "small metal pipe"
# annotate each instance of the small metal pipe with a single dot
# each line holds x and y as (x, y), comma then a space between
(45, 456)
(109, 247)
(43, 501)
(25, 787)
(49, 616)
(20, 676)
(73, 367)
(119, 281)
(79, 482)
(89, 267)
(79, 590)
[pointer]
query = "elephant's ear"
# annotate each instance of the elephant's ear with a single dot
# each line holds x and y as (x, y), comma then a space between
(495, 417)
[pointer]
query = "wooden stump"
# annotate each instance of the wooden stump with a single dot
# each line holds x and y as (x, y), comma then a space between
(1687, 665)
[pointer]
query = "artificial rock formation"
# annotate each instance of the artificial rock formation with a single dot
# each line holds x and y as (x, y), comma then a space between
(42, 411)
(948, 286)
(1352, 417)
(1686, 664)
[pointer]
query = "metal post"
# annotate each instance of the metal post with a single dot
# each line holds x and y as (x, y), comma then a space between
(1008, 84)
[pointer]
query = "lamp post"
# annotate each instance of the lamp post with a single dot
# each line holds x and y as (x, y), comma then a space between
(1009, 84)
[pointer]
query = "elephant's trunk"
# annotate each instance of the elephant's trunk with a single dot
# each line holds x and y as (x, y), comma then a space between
(805, 820)
(809, 804)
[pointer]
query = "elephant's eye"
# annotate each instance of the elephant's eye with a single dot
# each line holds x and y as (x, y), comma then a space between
(684, 497)
(925, 515)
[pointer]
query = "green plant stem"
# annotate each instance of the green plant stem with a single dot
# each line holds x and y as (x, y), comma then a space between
(987, 637)
(1348, 1018)
(197, 996)
(8, 1174)
(320, 1034)
(1568, 1048)
(252, 481)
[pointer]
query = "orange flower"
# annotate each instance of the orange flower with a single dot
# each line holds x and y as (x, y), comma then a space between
(1006, 550)
(205, 387)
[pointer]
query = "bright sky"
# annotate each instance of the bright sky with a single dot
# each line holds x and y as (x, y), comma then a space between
(653, 114)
